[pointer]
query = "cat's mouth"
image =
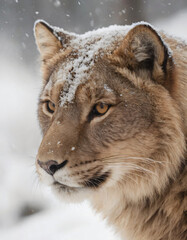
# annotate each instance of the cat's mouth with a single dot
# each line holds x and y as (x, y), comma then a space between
(65, 187)
(94, 182)
(67, 191)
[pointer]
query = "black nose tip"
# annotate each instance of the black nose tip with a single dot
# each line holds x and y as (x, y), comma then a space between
(51, 166)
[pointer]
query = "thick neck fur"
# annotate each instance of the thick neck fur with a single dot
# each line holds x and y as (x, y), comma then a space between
(161, 214)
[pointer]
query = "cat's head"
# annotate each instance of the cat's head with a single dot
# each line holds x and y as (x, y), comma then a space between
(107, 112)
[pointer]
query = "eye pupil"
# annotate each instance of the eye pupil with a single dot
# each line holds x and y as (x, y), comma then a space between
(101, 105)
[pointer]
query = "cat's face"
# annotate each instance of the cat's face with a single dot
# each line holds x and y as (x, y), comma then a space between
(106, 118)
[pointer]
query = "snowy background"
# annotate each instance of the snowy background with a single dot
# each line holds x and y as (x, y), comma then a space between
(27, 209)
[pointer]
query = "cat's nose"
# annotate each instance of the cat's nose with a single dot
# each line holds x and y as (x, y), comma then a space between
(51, 166)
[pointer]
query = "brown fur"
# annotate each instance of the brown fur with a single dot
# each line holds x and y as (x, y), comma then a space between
(130, 162)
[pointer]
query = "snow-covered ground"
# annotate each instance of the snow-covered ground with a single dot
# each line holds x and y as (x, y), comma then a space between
(20, 190)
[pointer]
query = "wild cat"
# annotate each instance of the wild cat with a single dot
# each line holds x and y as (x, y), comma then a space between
(113, 112)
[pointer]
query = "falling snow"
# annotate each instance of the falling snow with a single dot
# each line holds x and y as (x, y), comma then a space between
(57, 3)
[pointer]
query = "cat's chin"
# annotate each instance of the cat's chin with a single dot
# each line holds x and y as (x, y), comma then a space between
(70, 194)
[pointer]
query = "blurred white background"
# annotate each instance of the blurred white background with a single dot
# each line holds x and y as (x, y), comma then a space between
(27, 209)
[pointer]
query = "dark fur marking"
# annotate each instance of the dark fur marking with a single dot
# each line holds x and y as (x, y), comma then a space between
(96, 180)
(83, 172)
(82, 163)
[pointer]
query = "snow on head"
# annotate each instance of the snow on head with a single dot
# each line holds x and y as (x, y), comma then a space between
(86, 49)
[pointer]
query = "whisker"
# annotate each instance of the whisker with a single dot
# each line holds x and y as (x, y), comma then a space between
(125, 157)
(133, 158)
(36, 183)
(132, 179)
(146, 159)
(132, 166)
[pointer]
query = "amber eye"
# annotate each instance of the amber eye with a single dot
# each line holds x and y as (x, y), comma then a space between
(101, 108)
(50, 106)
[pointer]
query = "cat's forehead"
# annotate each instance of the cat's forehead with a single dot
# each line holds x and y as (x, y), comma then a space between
(102, 38)
(86, 50)
(59, 89)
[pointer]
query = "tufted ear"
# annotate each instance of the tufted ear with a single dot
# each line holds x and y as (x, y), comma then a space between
(144, 52)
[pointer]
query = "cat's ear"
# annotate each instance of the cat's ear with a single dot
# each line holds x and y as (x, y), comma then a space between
(144, 52)
(48, 39)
